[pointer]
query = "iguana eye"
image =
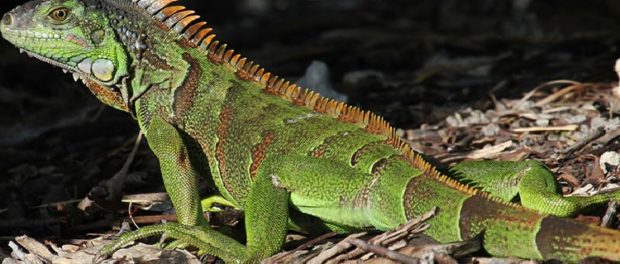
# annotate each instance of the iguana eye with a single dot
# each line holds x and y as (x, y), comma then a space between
(59, 14)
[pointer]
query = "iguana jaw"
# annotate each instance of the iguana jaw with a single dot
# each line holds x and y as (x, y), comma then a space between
(65, 67)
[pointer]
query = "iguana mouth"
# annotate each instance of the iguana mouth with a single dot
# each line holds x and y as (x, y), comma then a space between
(11, 35)
(65, 67)
(28, 35)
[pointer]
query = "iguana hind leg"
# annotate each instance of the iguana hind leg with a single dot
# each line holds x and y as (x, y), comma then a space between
(266, 210)
(531, 181)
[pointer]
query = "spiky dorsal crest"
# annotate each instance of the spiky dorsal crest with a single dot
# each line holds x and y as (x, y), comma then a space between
(199, 35)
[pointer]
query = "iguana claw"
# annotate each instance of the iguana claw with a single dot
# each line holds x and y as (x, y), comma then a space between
(182, 236)
(129, 237)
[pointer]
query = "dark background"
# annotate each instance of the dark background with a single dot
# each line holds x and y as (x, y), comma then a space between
(57, 141)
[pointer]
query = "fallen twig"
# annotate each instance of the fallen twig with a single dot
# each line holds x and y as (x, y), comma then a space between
(597, 133)
(546, 128)
(382, 251)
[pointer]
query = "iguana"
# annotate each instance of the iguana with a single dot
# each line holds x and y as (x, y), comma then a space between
(287, 157)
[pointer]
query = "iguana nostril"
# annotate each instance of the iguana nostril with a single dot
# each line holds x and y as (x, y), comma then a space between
(7, 19)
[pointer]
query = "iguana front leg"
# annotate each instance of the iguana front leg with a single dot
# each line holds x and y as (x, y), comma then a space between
(532, 181)
(266, 211)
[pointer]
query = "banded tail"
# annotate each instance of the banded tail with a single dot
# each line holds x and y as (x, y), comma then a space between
(507, 229)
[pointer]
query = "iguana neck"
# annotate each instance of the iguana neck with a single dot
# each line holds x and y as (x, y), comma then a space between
(156, 55)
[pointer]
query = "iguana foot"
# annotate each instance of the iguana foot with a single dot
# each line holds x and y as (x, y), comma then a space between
(127, 238)
(182, 236)
(205, 239)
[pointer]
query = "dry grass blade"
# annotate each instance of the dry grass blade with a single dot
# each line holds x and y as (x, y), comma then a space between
(554, 96)
(610, 214)
(338, 248)
(414, 226)
(382, 251)
(35, 247)
(456, 249)
(287, 255)
(594, 135)
(489, 152)
(533, 91)
(546, 128)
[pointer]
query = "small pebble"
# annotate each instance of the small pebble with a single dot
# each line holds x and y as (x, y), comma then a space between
(609, 158)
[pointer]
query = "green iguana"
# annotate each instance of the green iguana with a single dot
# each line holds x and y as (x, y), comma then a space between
(285, 156)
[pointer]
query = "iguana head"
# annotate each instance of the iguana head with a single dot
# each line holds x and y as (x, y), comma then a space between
(74, 36)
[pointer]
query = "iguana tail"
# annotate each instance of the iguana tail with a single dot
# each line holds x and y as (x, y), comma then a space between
(507, 229)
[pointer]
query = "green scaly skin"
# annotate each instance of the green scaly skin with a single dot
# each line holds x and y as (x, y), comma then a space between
(287, 158)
